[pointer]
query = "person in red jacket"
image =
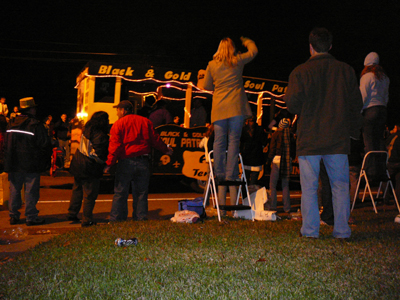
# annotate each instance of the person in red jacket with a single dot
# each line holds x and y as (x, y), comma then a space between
(132, 138)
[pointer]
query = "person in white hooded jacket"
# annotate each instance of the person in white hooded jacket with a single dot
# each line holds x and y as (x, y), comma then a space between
(374, 87)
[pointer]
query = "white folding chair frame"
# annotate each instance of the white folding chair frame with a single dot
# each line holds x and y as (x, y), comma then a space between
(363, 174)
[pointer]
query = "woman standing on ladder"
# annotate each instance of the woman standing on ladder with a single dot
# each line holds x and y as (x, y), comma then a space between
(230, 108)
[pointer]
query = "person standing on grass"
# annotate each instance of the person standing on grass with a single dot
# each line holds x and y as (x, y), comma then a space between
(324, 93)
(374, 87)
(27, 154)
(132, 138)
(281, 154)
(230, 108)
(87, 168)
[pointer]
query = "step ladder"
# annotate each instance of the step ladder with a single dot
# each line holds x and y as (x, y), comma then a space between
(213, 183)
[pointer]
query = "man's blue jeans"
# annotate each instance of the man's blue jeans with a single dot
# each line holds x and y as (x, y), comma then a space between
(32, 191)
(133, 172)
(227, 138)
(337, 167)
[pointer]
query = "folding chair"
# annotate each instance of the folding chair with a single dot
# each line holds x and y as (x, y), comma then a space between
(212, 189)
(374, 170)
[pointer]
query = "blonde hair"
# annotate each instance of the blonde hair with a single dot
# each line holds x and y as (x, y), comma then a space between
(226, 53)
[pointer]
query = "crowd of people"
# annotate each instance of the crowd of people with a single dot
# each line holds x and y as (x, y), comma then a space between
(338, 119)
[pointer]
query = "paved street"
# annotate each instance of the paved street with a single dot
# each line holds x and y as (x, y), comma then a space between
(165, 192)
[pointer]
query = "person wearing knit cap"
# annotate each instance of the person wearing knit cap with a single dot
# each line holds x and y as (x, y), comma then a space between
(27, 154)
(374, 87)
(281, 153)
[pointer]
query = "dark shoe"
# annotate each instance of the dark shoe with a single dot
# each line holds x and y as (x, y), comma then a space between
(14, 221)
(73, 218)
(37, 221)
(87, 224)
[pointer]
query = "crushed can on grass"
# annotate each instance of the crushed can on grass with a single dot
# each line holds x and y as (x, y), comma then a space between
(121, 242)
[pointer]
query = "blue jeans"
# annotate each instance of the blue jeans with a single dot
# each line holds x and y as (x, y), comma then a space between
(227, 138)
(337, 167)
(273, 181)
(133, 172)
(32, 191)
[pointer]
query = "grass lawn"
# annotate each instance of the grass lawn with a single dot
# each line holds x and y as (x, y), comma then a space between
(236, 259)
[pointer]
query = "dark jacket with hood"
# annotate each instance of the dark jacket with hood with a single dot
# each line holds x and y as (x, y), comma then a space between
(27, 146)
(83, 166)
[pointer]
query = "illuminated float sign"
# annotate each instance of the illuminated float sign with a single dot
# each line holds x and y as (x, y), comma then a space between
(188, 158)
(138, 71)
(259, 85)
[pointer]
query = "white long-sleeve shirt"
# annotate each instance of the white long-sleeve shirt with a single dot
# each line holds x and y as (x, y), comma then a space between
(374, 92)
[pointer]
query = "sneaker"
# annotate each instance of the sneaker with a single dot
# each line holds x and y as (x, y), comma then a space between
(14, 221)
(37, 221)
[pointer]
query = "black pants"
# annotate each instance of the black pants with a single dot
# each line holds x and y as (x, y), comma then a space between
(86, 190)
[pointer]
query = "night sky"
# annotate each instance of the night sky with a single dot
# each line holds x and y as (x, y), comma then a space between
(45, 44)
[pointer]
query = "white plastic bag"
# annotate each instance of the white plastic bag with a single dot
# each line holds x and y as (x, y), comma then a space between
(185, 216)
(265, 215)
(257, 199)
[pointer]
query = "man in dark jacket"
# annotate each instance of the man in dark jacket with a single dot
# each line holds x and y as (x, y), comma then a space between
(324, 93)
(27, 154)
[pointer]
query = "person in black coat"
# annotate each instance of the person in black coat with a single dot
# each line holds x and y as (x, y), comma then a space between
(87, 168)
(252, 143)
(27, 154)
